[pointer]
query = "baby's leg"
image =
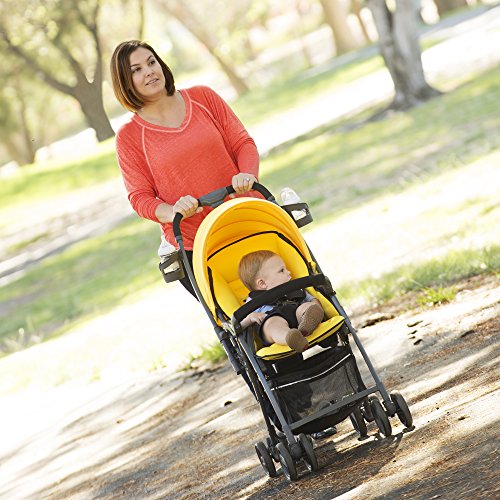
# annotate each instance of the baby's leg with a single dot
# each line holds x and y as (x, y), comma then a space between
(309, 316)
(275, 330)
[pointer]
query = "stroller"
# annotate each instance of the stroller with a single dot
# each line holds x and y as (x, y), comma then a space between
(298, 393)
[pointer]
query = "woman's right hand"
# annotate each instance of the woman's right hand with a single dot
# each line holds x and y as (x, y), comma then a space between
(187, 206)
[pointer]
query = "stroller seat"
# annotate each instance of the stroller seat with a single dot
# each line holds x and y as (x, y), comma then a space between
(228, 300)
(244, 227)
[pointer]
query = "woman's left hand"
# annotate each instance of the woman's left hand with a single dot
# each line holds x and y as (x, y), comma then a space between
(242, 183)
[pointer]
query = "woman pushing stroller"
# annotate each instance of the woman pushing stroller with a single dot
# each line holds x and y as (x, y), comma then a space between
(290, 319)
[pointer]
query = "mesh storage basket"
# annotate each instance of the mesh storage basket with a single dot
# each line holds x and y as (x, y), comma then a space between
(324, 379)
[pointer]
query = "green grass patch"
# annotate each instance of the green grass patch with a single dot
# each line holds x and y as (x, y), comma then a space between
(342, 166)
(53, 178)
(27, 242)
(210, 354)
(433, 278)
(86, 280)
(436, 296)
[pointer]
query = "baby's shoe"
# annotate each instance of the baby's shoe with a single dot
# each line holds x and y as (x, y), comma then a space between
(295, 340)
(312, 317)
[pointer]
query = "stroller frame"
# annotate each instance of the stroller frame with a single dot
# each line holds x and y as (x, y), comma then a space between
(288, 447)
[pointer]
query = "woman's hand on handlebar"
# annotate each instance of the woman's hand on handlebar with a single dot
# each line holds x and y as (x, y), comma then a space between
(187, 206)
(242, 182)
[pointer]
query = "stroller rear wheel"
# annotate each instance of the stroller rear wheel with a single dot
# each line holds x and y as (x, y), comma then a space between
(309, 456)
(358, 422)
(402, 410)
(366, 410)
(287, 462)
(381, 419)
(265, 459)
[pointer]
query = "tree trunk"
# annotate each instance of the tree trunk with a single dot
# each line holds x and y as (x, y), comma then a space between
(187, 18)
(142, 14)
(16, 153)
(28, 141)
(356, 6)
(445, 6)
(336, 13)
(236, 81)
(399, 46)
(89, 95)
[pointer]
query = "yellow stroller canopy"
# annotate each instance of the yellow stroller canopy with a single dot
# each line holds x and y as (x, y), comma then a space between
(232, 230)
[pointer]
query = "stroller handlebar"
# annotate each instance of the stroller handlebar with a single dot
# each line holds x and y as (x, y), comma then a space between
(216, 198)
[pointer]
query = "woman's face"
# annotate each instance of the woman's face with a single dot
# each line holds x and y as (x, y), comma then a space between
(147, 74)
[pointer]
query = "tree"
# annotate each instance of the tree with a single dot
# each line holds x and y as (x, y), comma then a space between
(25, 113)
(193, 17)
(59, 42)
(400, 49)
(445, 6)
(14, 124)
(336, 13)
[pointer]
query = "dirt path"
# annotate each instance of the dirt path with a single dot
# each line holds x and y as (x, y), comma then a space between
(191, 435)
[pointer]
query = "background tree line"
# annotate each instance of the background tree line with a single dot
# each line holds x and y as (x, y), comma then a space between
(55, 52)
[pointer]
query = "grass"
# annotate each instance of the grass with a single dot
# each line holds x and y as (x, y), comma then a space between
(50, 179)
(437, 296)
(368, 160)
(352, 173)
(89, 278)
(434, 278)
(211, 354)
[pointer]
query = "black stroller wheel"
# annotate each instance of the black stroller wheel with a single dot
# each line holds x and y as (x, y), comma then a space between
(358, 422)
(402, 410)
(272, 450)
(381, 419)
(287, 462)
(366, 410)
(265, 459)
(308, 455)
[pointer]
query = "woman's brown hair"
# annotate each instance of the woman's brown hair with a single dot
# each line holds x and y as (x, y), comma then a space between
(121, 75)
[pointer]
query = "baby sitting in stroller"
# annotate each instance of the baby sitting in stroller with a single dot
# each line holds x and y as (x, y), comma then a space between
(290, 319)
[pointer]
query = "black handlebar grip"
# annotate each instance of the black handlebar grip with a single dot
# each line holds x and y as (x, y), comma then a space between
(216, 198)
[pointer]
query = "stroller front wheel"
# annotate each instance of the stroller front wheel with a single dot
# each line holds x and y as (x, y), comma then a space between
(309, 456)
(287, 462)
(402, 410)
(358, 422)
(381, 418)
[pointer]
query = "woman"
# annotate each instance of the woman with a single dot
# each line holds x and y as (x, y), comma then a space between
(178, 145)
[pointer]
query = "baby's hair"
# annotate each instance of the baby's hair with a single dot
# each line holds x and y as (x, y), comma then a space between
(250, 265)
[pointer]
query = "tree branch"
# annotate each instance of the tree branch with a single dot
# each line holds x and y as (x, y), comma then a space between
(34, 66)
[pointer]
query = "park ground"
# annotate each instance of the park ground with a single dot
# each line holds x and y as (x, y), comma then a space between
(190, 435)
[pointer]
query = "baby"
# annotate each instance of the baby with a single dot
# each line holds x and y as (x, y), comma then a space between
(287, 321)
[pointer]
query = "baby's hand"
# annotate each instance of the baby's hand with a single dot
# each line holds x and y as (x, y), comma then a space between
(257, 317)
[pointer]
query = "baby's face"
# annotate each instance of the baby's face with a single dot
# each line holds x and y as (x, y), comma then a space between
(274, 272)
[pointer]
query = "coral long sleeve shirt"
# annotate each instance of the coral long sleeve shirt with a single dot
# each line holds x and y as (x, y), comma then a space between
(161, 164)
